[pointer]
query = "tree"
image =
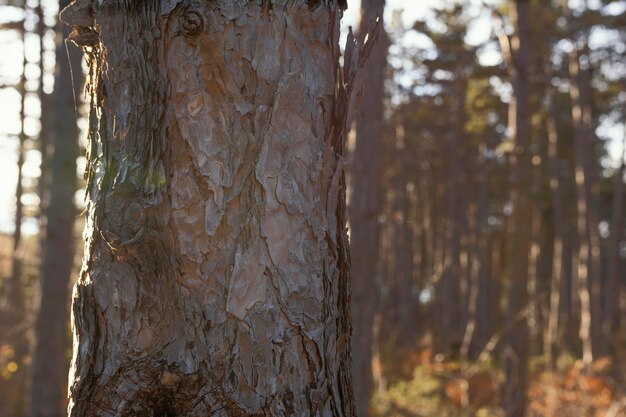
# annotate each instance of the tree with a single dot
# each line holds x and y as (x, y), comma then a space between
(215, 279)
(517, 55)
(49, 381)
(13, 319)
(365, 204)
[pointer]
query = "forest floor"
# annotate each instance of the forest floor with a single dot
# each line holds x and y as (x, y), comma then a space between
(425, 387)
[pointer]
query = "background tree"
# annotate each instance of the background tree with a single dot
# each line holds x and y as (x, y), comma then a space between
(365, 200)
(50, 364)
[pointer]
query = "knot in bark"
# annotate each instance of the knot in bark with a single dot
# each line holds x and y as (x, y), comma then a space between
(191, 23)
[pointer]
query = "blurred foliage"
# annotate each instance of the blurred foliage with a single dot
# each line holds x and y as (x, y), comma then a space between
(454, 389)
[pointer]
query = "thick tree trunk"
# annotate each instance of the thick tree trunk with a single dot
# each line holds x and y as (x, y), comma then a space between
(215, 280)
(365, 201)
(50, 366)
(516, 350)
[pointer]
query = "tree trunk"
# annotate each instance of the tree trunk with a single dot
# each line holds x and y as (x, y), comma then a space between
(48, 391)
(42, 182)
(402, 251)
(14, 319)
(585, 264)
(15, 293)
(550, 338)
(516, 349)
(613, 285)
(364, 207)
(453, 276)
(480, 314)
(215, 280)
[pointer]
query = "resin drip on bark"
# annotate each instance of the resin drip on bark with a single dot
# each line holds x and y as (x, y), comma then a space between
(216, 274)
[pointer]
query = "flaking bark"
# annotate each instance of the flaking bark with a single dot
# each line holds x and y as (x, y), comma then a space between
(215, 280)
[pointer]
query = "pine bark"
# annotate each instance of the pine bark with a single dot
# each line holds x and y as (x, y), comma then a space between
(215, 280)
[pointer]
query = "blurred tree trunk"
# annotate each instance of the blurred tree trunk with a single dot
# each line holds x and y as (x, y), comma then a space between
(365, 205)
(15, 283)
(215, 280)
(454, 277)
(50, 366)
(403, 301)
(15, 319)
(481, 297)
(552, 329)
(43, 118)
(586, 267)
(610, 323)
(517, 268)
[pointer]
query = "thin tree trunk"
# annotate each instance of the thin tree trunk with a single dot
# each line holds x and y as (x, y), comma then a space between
(613, 285)
(403, 248)
(215, 281)
(15, 318)
(477, 329)
(50, 367)
(365, 207)
(451, 289)
(600, 345)
(550, 337)
(585, 261)
(43, 118)
(516, 349)
(16, 301)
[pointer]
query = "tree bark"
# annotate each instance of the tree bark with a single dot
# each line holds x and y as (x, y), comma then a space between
(364, 209)
(215, 280)
(50, 367)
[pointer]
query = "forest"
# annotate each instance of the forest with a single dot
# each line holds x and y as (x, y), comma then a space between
(235, 208)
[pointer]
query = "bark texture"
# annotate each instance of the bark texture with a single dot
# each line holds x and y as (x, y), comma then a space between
(215, 281)
(364, 208)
